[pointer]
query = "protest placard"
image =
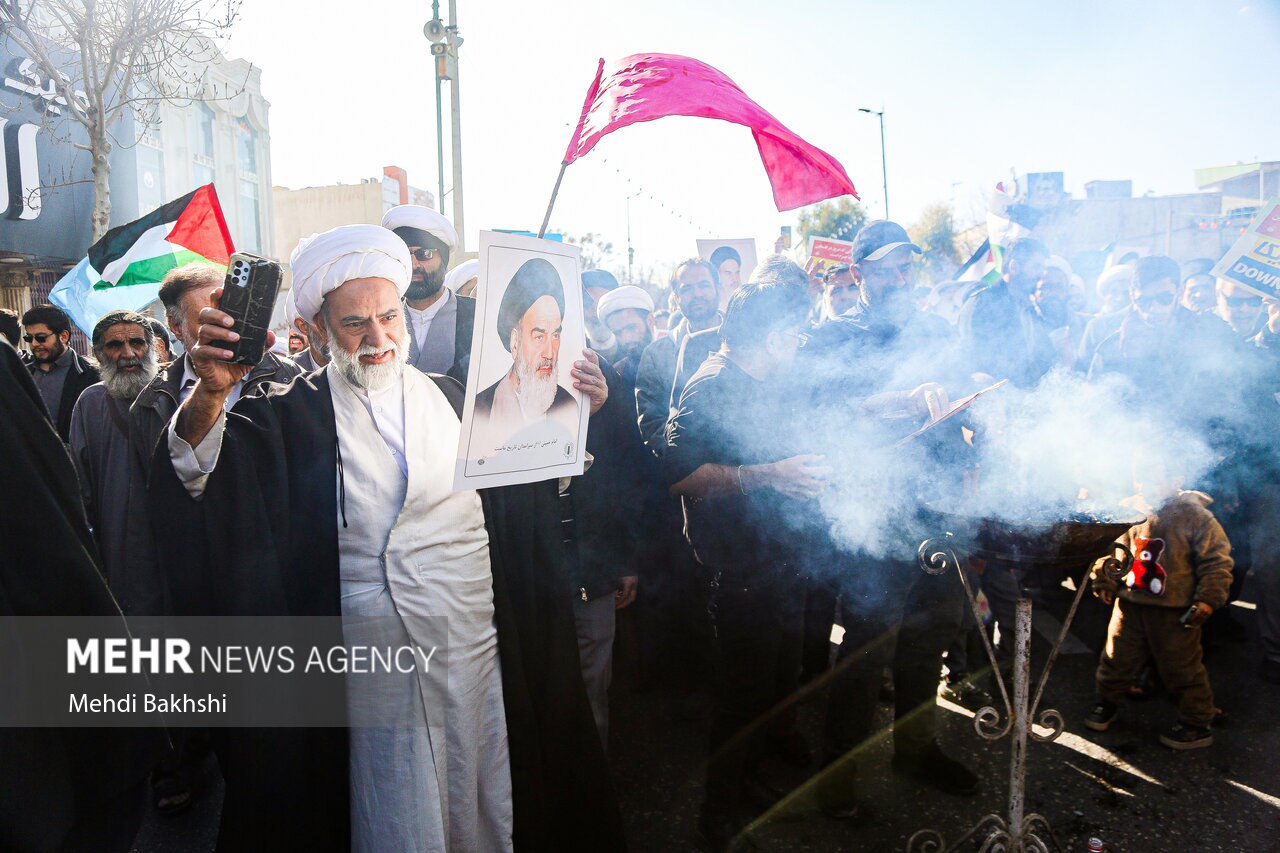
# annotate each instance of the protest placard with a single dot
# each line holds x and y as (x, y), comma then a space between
(1254, 261)
(734, 260)
(523, 421)
(825, 252)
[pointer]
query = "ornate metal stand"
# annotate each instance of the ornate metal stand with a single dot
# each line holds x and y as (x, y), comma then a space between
(1022, 832)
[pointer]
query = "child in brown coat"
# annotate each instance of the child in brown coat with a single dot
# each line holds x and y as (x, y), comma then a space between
(1181, 573)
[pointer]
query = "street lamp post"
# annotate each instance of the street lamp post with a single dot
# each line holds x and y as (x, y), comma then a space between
(445, 42)
(884, 168)
(435, 17)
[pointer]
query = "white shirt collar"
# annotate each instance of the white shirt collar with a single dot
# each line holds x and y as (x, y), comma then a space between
(386, 408)
(426, 315)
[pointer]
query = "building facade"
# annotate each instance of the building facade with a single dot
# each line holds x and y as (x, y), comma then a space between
(225, 140)
(311, 210)
(46, 190)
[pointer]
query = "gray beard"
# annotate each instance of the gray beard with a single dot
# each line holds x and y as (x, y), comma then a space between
(127, 386)
(369, 377)
(535, 395)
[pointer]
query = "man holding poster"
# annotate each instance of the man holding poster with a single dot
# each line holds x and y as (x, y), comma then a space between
(494, 749)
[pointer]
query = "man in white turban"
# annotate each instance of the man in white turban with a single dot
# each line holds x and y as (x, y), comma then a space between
(462, 279)
(439, 320)
(330, 497)
(628, 312)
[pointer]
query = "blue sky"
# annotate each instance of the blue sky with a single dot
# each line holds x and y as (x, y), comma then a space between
(1098, 90)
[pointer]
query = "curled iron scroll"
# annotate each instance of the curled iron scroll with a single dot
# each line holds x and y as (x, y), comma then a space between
(936, 555)
(1115, 568)
(1033, 841)
(1051, 720)
(926, 841)
(991, 833)
(986, 722)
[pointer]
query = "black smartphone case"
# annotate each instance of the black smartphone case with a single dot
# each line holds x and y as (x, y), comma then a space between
(249, 296)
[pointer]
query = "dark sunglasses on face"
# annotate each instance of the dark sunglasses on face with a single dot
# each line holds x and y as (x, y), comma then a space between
(1164, 299)
(39, 338)
(423, 254)
(1243, 301)
(116, 346)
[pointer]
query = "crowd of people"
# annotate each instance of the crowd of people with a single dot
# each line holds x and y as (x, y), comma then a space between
(738, 435)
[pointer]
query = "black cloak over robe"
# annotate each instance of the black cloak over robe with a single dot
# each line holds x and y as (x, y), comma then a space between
(263, 540)
(63, 789)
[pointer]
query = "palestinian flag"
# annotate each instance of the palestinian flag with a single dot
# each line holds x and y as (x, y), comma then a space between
(125, 267)
(983, 265)
(1007, 222)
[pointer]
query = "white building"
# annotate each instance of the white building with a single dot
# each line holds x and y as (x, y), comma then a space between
(224, 139)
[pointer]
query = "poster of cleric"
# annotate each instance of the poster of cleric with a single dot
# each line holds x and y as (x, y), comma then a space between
(524, 421)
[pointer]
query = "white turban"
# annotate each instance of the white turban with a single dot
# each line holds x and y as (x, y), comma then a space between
(324, 262)
(1060, 263)
(459, 275)
(1119, 273)
(621, 298)
(290, 307)
(422, 218)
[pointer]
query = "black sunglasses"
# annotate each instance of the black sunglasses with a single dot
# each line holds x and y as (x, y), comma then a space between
(1154, 299)
(423, 254)
(39, 338)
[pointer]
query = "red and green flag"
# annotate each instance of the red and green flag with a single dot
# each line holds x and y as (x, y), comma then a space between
(124, 269)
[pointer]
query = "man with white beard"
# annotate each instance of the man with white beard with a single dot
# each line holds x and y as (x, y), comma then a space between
(331, 497)
(529, 322)
(123, 343)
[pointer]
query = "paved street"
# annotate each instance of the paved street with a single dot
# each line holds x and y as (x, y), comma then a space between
(1122, 786)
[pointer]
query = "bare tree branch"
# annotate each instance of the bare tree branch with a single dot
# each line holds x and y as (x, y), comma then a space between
(130, 56)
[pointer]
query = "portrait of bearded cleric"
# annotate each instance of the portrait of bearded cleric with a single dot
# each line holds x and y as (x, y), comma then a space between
(530, 320)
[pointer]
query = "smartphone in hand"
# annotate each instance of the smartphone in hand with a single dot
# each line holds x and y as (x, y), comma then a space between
(249, 296)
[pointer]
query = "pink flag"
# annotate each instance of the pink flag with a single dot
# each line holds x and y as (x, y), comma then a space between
(647, 86)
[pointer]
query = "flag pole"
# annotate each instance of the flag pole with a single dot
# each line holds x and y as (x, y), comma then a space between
(555, 191)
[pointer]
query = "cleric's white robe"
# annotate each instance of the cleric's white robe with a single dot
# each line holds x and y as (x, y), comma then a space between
(430, 767)
(417, 554)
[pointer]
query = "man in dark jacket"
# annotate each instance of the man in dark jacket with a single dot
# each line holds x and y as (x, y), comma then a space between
(730, 458)
(602, 514)
(875, 373)
(1003, 335)
(697, 293)
(1164, 348)
(184, 292)
(59, 371)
